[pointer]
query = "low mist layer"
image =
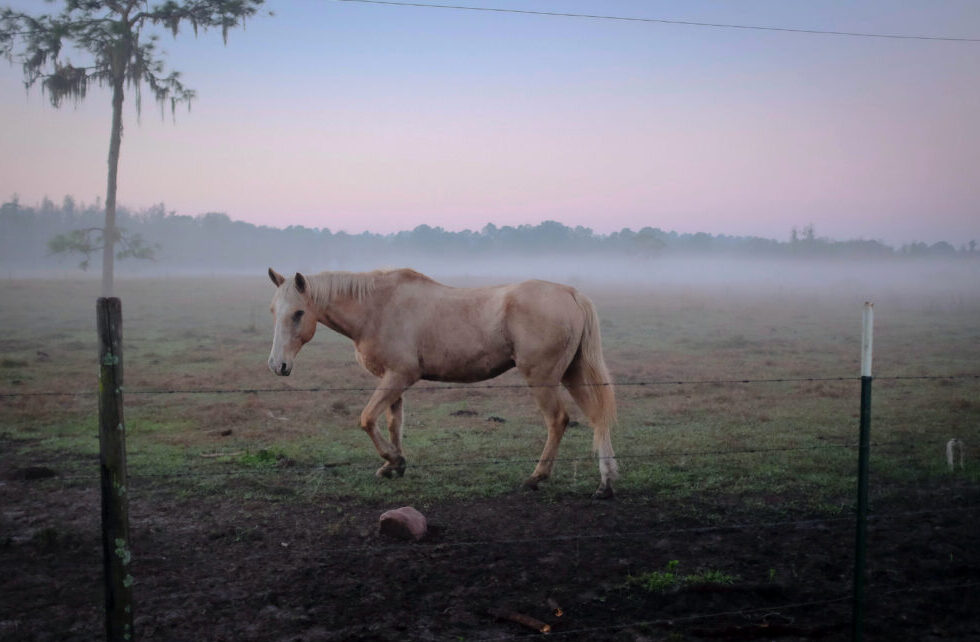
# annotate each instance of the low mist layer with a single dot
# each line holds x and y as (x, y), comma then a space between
(214, 244)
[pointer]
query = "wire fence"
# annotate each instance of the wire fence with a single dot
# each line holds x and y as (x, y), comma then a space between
(494, 461)
(839, 522)
(476, 386)
(371, 464)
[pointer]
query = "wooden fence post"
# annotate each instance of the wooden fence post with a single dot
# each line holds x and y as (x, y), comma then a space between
(116, 551)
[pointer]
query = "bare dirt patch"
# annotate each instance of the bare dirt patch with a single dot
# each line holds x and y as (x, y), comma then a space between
(222, 568)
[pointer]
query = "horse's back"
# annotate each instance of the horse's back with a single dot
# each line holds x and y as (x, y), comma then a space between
(472, 334)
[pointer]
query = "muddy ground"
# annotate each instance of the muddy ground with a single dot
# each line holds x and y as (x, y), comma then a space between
(216, 568)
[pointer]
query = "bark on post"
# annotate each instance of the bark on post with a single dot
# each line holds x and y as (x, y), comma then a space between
(116, 551)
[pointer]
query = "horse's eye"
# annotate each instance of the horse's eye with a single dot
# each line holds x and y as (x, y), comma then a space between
(297, 316)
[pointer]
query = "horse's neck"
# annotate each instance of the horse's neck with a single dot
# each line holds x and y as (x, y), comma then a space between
(342, 302)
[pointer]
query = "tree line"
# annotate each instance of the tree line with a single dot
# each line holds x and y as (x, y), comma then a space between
(213, 242)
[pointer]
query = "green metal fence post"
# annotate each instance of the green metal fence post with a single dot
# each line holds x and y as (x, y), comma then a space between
(864, 449)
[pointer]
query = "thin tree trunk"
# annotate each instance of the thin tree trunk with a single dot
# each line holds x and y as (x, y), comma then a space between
(109, 232)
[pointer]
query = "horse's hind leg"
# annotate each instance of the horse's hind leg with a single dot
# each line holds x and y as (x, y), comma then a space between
(556, 419)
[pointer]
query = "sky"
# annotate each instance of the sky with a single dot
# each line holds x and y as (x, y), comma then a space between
(354, 116)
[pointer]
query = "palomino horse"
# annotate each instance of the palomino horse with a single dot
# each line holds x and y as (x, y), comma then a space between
(406, 327)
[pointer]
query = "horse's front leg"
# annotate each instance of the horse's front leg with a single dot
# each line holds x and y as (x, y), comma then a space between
(387, 396)
(396, 416)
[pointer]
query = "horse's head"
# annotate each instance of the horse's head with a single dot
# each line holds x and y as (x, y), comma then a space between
(295, 316)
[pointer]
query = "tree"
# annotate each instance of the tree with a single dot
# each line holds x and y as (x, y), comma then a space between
(112, 33)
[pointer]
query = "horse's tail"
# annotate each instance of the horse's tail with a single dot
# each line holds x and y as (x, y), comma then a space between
(587, 380)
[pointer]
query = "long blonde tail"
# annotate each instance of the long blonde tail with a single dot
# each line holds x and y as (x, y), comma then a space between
(589, 383)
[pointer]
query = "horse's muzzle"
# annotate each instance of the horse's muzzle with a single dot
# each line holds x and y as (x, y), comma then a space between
(282, 369)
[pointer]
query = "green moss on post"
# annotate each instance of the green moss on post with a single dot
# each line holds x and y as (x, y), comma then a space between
(116, 550)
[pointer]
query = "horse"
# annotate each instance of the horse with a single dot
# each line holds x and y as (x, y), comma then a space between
(408, 327)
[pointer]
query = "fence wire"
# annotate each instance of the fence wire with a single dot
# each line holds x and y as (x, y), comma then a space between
(774, 609)
(477, 386)
(763, 610)
(428, 548)
(291, 470)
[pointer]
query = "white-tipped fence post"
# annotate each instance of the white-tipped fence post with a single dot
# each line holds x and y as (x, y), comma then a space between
(116, 555)
(864, 449)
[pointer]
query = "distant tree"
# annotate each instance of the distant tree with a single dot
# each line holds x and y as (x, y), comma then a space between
(111, 32)
(89, 240)
(915, 249)
(648, 242)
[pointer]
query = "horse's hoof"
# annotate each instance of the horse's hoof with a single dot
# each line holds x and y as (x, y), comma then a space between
(399, 467)
(604, 493)
(530, 484)
(389, 470)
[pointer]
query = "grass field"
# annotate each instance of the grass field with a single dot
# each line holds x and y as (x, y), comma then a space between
(789, 442)
(254, 506)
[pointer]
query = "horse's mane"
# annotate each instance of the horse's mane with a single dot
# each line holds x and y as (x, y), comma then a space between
(325, 286)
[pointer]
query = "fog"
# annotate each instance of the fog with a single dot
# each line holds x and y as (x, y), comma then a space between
(215, 245)
(946, 281)
(924, 276)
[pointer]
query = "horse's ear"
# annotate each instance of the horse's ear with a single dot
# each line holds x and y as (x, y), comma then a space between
(300, 283)
(277, 278)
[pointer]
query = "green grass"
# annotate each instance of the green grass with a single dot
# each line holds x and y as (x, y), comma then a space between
(670, 579)
(785, 446)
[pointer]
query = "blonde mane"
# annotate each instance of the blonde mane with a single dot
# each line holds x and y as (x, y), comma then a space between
(325, 286)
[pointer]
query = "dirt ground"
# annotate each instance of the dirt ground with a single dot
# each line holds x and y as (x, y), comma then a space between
(213, 568)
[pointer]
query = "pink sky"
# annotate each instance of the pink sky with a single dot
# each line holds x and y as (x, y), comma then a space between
(360, 117)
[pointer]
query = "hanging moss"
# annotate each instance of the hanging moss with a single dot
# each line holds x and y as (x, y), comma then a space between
(68, 82)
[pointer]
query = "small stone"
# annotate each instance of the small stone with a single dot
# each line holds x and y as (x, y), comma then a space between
(403, 523)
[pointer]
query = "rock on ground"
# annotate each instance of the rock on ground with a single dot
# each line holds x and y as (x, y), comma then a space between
(403, 523)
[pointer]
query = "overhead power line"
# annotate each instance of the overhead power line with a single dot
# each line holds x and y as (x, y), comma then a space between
(689, 23)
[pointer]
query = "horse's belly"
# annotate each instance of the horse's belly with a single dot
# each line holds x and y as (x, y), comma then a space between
(465, 370)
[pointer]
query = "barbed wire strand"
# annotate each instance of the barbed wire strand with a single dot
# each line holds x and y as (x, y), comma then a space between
(669, 621)
(471, 386)
(290, 470)
(157, 599)
(431, 547)
(369, 464)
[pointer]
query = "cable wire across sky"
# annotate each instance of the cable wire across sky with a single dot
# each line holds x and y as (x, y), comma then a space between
(688, 23)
